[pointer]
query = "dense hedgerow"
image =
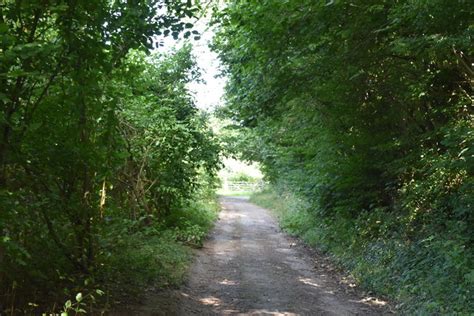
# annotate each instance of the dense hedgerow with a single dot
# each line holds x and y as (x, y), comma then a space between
(100, 143)
(364, 112)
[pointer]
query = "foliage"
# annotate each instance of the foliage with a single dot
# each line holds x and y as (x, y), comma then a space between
(364, 112)
(135, 256)
(242, 177)
(99, 141)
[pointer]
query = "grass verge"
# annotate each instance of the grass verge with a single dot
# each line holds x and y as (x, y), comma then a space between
(426, 275)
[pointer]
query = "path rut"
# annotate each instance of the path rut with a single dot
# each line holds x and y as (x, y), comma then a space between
(249, 267)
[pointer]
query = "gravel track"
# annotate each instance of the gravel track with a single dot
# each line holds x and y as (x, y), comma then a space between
(249, 267)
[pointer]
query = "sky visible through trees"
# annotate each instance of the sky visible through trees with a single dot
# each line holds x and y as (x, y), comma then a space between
(210, 90)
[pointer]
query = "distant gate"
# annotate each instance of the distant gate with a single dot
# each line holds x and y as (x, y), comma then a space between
(241, 186)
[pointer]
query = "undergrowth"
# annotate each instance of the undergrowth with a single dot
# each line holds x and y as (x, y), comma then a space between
(135, 255)
(425, 274)
(138, 255)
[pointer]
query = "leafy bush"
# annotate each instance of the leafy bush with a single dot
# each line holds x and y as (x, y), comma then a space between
(242, 177)
(192, 222)
(137, 256)
(143, 259)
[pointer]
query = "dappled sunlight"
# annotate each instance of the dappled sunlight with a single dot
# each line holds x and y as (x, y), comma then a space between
(349, 281)
(372, 301)
(224, 308)
(230, 311)
(268, 312)
(232, 215)
(210, 300)
(228, 282)
(308, 281)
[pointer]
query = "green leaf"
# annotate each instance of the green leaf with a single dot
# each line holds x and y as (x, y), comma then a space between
(4, 98)
(79, 297)
(469, 277)
(3, 28)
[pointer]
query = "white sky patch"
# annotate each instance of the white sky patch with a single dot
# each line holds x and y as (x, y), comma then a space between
(209, 93)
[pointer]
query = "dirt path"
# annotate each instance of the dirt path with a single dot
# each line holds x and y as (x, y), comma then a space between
(248, 267)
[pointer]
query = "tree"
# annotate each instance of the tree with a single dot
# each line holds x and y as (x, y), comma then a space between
(88, 127)
(363, 109)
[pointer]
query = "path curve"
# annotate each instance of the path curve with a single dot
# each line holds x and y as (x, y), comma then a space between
(249, 267)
